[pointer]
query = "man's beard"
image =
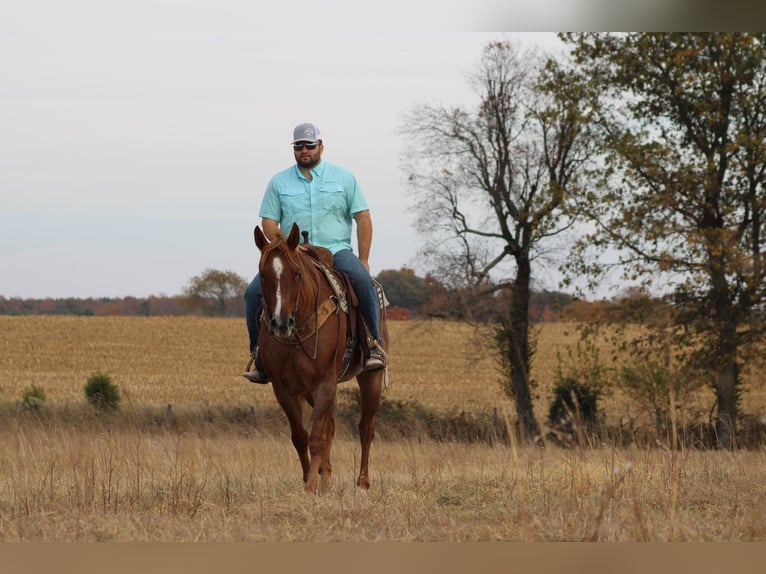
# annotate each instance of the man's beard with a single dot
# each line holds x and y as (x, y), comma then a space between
(312, 163)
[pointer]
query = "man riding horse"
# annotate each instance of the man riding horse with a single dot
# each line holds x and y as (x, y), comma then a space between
(323, 199)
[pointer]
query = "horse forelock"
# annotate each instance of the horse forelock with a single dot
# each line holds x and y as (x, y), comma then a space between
(291, 259)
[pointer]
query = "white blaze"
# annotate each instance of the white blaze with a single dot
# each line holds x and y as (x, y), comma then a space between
(277, 263)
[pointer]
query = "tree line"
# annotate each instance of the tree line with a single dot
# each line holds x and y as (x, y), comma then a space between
(216, 293)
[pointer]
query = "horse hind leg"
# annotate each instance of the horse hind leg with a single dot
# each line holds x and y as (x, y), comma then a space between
(370, 390)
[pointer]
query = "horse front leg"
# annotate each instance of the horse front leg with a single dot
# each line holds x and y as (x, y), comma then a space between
(321, 437)
(293, 409)
(370, 390)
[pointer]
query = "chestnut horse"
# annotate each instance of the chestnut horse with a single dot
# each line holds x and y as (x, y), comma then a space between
(306, 349)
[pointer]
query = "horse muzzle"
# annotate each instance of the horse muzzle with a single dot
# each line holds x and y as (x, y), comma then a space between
(282, 328)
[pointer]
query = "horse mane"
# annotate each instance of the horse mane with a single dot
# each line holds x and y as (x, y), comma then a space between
(279, 243)
(321, 254)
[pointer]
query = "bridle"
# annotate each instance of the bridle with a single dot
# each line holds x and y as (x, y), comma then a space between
(299, 334)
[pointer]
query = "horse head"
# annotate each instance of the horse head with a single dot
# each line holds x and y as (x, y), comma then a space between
(283, 271)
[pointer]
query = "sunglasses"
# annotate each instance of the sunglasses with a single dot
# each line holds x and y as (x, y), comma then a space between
(299, 146)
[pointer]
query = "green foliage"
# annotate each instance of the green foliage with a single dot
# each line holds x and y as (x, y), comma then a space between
(574, 401)
(583, 364)
(102, 393)
(582, 379)
(33, 398)
(403, 288)
(649, 384)
(504, 340)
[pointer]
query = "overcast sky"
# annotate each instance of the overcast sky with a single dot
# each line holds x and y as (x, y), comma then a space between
(136, 138)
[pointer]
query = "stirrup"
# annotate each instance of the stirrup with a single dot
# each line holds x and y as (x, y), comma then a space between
(250, 362)
(253, 373)
(378, 358)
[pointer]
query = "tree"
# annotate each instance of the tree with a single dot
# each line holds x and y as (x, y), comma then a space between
(682, 121)
(404, 289)
(492, 187)
(216, 293)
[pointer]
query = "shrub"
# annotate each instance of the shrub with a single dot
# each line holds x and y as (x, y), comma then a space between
(102, 393)
(581, 379)
(33, 398)
(649, 385)
(573, 400)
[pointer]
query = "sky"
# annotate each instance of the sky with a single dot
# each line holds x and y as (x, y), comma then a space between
(137, 138)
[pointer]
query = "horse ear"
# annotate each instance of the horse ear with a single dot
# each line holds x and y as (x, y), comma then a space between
(294, 238)
(260, 238)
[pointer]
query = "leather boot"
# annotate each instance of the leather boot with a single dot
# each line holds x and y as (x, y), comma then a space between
(377, 358)
(254, 371)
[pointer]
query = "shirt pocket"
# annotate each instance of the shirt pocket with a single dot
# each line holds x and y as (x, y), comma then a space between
(294, 200)
(333, 197)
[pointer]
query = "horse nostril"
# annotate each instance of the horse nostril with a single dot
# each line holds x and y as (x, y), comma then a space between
(291, 323)
(274, 325)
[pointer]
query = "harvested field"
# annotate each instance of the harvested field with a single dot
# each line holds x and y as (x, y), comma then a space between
(219, 466)
(197, 362)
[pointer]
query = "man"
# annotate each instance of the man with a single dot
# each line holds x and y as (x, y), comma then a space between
(323, 199)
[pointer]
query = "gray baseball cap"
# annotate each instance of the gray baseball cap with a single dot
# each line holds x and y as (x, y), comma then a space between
(306, 133)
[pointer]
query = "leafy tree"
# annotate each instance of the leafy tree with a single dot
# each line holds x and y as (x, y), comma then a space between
(548, 302)
(404, 289)
(216, 293)
(682, 118)
(492, 187)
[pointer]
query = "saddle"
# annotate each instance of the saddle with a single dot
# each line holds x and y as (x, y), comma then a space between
(345, 299)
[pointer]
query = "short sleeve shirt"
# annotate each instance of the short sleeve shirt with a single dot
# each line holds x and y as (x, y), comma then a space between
(324, 206)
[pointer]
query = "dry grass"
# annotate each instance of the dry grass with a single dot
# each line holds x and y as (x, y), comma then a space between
(68, 474)
(60, 484)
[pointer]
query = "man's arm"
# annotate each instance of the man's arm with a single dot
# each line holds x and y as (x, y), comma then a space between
(364, 235)
(270, 228)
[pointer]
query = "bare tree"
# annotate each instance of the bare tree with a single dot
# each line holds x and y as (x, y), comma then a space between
(492, 189)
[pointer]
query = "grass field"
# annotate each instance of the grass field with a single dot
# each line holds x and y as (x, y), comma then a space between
(208, 472)
(198, 361)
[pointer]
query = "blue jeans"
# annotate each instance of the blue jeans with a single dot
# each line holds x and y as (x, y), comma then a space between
(344, 261)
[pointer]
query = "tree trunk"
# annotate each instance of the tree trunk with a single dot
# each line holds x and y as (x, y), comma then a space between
(519, 352)
(727, 387)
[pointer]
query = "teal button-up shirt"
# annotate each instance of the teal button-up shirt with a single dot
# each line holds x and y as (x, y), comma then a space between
(324, 206)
